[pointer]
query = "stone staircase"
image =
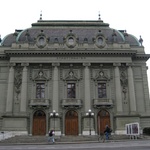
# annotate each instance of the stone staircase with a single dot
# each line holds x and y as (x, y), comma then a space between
(25, 139)
(59, 139)
(43, 139)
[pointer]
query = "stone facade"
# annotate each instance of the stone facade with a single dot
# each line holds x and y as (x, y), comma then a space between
(72, 76)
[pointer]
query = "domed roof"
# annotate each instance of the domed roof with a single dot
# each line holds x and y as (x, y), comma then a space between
(8, 40)
(82, 30)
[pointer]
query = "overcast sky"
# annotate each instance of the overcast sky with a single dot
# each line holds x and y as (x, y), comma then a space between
(129, 15)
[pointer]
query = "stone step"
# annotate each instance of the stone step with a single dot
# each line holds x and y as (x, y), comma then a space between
(25, 139)
(43, 139)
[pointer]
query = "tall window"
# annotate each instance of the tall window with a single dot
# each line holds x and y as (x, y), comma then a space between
(101, 90)
(71, 91)
(40, 90)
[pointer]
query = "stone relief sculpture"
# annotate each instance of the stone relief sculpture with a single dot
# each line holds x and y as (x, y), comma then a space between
(18, 81)
(124, 82)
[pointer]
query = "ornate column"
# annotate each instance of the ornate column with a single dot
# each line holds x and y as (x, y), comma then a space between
(118, 89)
(87, 90)
(23, 101)
(131, 90)
(10, 91)
(55, 87)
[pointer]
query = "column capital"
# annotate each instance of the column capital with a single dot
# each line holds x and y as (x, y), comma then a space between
(86, 64)
(116, 64)
(24, 64)
(55, 64)
(12, 64)
(129, 64)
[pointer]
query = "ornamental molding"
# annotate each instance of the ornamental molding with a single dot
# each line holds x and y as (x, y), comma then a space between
(40, 74)
(100, 40)
(70, 40)
(41, 40)
(71, 75)
(101, 75)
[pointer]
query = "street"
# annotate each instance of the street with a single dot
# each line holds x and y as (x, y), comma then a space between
(126, 145)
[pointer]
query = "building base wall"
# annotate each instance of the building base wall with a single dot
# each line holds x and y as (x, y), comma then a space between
(121, 121)
(14, 124)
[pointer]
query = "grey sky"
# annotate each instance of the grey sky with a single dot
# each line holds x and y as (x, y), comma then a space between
(129, 15)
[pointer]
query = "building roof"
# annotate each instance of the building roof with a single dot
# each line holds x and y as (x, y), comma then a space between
(58, 31)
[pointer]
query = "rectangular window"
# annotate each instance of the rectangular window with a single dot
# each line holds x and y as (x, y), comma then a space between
(40, 90)
(101, 90)
(71, 91)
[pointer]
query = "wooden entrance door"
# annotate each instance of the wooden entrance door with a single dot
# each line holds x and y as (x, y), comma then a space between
(39, 123)
(103, 119)
(71, 123)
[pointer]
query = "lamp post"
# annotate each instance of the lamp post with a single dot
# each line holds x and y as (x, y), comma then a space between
(89, 114)
(54, 114)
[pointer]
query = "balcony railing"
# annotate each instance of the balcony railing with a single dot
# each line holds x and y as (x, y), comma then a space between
(71, 102)
(102, 103)
(39, 102)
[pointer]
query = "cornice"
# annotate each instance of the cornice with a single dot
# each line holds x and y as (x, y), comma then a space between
(3, 57)
(141, 57)
(66, 52)
(95, 53)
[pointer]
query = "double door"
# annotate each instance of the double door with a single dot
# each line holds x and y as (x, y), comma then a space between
(39, 123)
(71, 123)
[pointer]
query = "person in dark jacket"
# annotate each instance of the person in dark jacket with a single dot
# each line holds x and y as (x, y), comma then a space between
(107, 132)
(51, 136)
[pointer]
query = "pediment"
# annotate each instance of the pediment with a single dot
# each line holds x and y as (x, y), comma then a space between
(101, 75)
(40, 76)
(71, 75)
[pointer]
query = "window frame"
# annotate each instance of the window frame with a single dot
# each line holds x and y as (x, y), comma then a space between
(40, 90)
(71, 83)
(102, 90)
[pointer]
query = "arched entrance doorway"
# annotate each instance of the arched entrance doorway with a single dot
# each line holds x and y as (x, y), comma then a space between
(71, 123)
(103, 119)
(39, 123)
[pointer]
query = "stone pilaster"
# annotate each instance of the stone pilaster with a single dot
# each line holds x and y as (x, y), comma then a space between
(118, 89)
(55, 87)
(87, 89)
(10, 91)
(23, 101)
(131, 90)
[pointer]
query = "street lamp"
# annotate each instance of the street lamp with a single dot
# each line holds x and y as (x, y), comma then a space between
(89, 114)
(54, 115)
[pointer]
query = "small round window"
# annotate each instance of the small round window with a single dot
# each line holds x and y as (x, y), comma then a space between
(41, 41)
(71, 41)
(100, 41)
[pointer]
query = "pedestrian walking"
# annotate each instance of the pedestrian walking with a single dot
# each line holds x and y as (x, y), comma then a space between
(107, 132)
(51, 136)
